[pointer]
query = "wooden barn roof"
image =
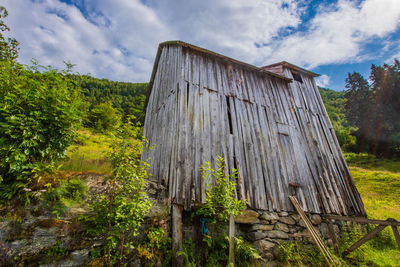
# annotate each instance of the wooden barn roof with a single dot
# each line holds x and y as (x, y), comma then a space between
(293, 67)
(212, 54)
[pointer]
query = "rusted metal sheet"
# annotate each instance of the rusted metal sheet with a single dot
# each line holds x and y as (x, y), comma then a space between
(202, 104)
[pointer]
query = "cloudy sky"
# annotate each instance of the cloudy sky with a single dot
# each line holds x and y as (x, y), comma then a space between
(118, 39)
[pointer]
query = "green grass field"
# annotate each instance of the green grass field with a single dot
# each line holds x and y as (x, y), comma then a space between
(88, 153)
(378, 182)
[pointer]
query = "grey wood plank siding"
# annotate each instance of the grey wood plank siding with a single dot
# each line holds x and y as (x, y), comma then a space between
(274, 132)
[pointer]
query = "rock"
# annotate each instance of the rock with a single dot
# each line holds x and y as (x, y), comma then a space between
(158, 211)
(269, 216)
(296, 217)
(283, 214)
(316, 219)
(76, 211)
(49, 223)
(303, 233)
(80, 256)
(277, 234)
(302, 224)
(248, 217)
(264, 246)
(287, 220)
(281, 227)
(253, 236)
(262, 227)
(265, 222)
(324, 230)
(188, 232)
(37, 245)
(17, 245)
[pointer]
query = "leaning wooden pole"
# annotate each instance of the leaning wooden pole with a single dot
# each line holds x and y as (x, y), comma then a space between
(314, 234)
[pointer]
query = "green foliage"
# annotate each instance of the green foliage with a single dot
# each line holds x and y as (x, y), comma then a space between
(334, 104)
(244, 252)
(220, 197)
(38, 115)
(373, 109)
(299, 253)
(88, 153)
(190, 255)
(104, 118)
(119, 213)
(68, 193)
(216, 252)
(127, 98)
(371, 162)
(155, 246)
(56, 252)
(9, 46)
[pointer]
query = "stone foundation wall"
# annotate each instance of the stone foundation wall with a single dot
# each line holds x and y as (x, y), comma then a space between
(266, 230)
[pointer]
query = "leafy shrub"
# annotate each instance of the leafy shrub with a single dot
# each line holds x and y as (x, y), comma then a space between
(220, 197)
(216, 250)
(155, 246)
(119, 213)
(69, 192)
(104, 118)
(38, 115)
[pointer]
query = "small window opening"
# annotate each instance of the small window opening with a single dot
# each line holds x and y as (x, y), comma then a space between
(229, 115)
(296, 76)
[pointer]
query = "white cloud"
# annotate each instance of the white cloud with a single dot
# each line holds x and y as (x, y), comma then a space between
(118, 39)
(52, 32)
(323, 80)
(338, 35)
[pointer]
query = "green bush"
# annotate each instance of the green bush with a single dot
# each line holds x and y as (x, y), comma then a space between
(67, 194)
(119, 213)
(39, 112)
(220, 201)
(216, 252)
(104, 118)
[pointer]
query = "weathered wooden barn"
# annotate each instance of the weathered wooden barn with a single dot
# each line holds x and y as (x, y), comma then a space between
(269, 123)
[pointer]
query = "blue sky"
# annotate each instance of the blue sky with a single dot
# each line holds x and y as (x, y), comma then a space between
(118, 39)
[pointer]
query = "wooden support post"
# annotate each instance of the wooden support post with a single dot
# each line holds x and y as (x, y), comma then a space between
(396, 235)
(365, 238)
(231, 241)
(177, 235)
(363, 220)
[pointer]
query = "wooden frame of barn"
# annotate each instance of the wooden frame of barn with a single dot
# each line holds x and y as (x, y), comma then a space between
(269, 123)
(272, 127)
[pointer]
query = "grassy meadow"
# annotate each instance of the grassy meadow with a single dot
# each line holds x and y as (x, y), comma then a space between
(378, 181)
(88, 153)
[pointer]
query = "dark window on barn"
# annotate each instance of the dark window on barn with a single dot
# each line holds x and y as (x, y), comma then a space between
(296, 76)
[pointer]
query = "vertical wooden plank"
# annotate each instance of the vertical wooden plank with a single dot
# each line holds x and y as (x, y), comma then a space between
(177, 235)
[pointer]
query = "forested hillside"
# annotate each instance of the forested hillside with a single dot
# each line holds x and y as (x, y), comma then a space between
(126, 97)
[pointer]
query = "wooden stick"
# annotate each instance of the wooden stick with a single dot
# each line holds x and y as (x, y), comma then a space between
(363, 220)
(231, 241)
(314, 234)
(177, 235)
(365, 238)
(396, 235)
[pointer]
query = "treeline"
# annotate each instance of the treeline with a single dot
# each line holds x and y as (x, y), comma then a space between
(334, 104)
(127, 98)
(374, 108)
